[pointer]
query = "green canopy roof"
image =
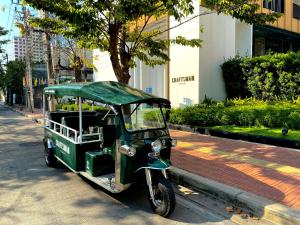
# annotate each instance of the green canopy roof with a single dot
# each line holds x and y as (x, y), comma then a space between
(107, 92)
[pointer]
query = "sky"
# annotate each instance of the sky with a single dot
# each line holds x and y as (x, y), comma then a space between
(7, 14)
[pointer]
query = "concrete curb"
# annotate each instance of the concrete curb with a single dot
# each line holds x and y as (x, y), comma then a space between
(263, 208)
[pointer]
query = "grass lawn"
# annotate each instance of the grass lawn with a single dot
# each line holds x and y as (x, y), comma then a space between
(263, 131)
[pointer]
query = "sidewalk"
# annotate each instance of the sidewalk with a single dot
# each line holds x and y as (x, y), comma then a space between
(267, 171)
(37, 113)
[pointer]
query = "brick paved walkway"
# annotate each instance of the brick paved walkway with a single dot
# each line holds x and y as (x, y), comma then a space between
(268, 171)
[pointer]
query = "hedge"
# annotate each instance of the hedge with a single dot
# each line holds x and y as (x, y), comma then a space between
(235, 82)
(247, 112)
(85, 107)
(268, 77)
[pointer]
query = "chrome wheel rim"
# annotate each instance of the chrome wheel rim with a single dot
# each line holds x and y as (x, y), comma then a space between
(158, 199)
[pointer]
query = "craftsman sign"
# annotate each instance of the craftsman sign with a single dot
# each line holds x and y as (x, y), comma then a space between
(183, 79)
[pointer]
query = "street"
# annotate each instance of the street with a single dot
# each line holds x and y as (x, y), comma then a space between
(32, 193)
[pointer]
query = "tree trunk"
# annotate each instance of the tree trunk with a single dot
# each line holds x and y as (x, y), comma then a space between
(118, 56)
(77, 68)
(77, 72)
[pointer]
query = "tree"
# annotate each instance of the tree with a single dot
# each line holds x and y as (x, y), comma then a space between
(2, 42)
(2, 72)
(118, 26)
(67, 50)
(2, 75)
(12, 78)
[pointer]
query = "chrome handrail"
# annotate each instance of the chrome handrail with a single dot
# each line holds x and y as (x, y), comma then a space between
(61, 126)
(66, 134)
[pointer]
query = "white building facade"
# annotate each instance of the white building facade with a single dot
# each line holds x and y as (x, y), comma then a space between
(192, 73)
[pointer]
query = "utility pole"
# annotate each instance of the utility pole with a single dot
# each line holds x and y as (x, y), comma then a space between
(49, 62)
(48, 53)
(26, 14)
(23, 18)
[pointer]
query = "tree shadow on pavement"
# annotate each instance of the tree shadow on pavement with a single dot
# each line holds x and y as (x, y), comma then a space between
(263, 181)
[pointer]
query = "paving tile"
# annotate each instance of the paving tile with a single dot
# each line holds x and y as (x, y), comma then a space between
(260, 151)
(269, 171)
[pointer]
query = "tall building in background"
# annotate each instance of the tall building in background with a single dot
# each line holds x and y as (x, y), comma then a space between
(19, 47)
(36, 46)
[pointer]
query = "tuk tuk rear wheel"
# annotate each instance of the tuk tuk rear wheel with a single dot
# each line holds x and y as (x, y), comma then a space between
(164, 198)
(50, 159)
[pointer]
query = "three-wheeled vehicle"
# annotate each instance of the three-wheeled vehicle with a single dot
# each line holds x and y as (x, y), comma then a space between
(121, 138)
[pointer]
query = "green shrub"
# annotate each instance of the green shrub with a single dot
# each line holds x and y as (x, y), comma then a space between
(98, 108)
(70, 107)
(289, 84)
(64, 107)
(85, 107)
(235, 82)
(246, 112)
(59, 106)
(294, 120)
(268, 77)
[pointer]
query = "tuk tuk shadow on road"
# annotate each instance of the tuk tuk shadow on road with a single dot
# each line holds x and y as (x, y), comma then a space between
(134, 199)
(22, 164)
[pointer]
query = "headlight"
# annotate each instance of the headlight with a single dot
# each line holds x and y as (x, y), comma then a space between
(127, 150)
(173, 142)
(156, 146)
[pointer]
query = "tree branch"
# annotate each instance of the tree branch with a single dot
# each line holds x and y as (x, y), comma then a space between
(140, 33)
(207, 12)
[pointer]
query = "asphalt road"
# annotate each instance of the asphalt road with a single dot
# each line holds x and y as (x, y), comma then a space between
(31, 193)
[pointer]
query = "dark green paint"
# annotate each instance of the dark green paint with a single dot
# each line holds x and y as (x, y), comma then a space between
(159, 164)
(116, 94)
(107, 92)
(69, 158)
(98, 163)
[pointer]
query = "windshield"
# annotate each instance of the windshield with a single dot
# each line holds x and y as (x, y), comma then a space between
(143, 116)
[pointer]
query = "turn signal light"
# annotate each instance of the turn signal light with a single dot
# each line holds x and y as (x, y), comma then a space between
(127, 150)
(173, 142)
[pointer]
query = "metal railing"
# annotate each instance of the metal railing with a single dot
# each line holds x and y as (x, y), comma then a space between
(98, 135)
(61, 130)
(72, 134)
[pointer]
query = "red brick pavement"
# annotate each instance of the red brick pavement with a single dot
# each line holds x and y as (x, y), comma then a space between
(265, 180)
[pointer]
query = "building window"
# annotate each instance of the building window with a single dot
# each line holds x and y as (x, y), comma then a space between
(274, 5)
(296, 9)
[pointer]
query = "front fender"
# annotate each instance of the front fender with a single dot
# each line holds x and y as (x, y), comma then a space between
(48, 143)
(156, 164)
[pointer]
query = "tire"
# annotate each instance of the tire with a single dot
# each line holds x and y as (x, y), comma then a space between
(164, 202)
(50, 159)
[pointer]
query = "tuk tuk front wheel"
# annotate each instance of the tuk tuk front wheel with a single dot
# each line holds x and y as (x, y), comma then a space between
(50, 159)
(164, 198)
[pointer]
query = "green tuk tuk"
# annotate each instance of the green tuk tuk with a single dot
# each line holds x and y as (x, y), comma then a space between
(122, 136)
